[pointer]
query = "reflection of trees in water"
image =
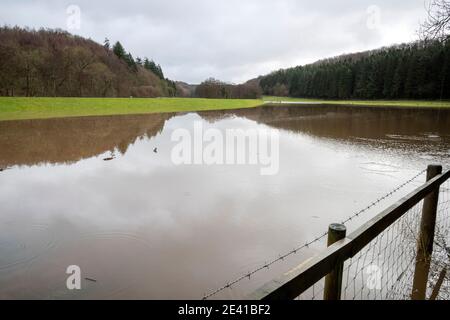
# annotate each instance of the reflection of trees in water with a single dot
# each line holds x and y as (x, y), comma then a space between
(69, 140)
(375, 127)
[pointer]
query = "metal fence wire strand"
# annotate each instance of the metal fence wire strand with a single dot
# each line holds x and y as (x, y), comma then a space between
(315, 292)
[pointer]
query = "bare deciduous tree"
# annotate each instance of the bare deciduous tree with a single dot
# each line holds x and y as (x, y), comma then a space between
(49, 62)
(437, 25)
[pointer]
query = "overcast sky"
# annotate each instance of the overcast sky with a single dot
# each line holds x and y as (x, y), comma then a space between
(232, 40)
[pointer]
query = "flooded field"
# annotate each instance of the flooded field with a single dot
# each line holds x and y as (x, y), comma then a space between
(103, 193)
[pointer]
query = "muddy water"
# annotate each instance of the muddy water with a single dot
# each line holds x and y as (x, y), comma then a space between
(94, 192)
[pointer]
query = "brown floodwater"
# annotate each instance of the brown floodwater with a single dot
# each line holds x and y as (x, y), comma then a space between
(144, 228)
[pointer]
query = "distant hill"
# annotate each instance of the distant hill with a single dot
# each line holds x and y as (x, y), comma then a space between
(185, 90)
(254, 82)
(57, 63)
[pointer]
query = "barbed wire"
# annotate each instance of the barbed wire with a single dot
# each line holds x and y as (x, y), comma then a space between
(387, 195)
(248, 275)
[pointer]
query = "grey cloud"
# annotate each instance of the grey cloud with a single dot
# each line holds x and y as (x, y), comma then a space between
(233, 40)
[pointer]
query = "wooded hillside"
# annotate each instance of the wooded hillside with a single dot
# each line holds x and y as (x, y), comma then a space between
(56, 63)
(419, 70)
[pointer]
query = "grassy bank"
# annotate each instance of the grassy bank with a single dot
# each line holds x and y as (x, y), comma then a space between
(12, 108)
(375, 103)
(41, 108)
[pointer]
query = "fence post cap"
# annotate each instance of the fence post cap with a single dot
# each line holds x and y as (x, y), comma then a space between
(435, 165)
(338, 227)
(433, 170)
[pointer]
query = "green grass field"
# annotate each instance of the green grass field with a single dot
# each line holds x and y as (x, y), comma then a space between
(375, 103)
(13, 108)
(41, 108)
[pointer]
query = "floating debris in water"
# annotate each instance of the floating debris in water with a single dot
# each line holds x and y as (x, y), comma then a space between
(112, 156)
(155, 150)
(90, 279)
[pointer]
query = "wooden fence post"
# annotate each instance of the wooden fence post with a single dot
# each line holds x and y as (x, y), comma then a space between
(333, 281)
(426, 238)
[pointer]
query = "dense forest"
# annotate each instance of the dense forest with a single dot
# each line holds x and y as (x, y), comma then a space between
(55, 63)
(419, 70)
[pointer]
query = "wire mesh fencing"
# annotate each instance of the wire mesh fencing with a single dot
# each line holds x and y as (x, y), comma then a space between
(440, 262)
(384, 269)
